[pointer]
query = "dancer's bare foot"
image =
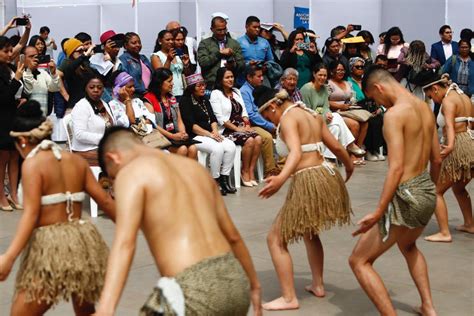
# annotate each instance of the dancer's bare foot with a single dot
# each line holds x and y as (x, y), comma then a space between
(317, 291)
(439, 238)
(424, 311)
(281, 304)
(466, 229)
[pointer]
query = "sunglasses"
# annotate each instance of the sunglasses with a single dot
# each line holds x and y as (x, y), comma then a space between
(359, 67)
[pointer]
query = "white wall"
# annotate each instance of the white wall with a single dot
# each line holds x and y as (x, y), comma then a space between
(283, 11)
(326, 14)
(460, 15)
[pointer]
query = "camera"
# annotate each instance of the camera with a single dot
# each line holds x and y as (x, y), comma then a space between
(304, 46)
(357, 27)
(179, 52)
(98, 49)
(21, 21)
(44, 59)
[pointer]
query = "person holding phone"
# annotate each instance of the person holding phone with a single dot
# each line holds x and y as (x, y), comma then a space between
(298, 56)
(392, 48)
(182, 51)
(38, 82)
(165, 56)
(24, 38)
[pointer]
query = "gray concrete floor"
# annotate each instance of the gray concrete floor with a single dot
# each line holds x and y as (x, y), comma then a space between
(451, 266)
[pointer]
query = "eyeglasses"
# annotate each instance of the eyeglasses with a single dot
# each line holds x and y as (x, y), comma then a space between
(359, 67)
(340, 71)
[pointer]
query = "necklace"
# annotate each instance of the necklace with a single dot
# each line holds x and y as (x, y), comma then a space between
(203, 107)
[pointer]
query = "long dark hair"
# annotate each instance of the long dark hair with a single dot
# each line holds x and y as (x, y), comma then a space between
(220, 77)
(291, 38)
(392, 32)
(5, 68)
(160, 36)
(157, 79)
(35, 39)
(317, 68)
(333, 67)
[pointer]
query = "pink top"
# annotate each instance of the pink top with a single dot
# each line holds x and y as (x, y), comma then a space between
(146, 75)
(339, 95)
(393, 52)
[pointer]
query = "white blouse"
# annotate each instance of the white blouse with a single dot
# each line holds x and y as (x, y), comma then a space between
(222, 106)
(88, 127)
(139, 109)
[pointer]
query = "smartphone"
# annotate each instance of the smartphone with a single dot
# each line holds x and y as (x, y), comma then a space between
(179, 52)
(118, 43)
(22, 59)
(304, 46)
(98, 49)
(21, 21)
(357, 27)
(44, 59)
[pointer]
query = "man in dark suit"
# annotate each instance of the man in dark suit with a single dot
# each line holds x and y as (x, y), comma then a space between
(445, 48)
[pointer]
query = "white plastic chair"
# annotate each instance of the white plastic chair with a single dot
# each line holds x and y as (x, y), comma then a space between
(67, 120)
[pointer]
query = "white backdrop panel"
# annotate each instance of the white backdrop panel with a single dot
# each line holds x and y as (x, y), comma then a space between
(238, 11)
(460, 15)
(418, 20)
(67, 21)
(326, 14)
(283, 12)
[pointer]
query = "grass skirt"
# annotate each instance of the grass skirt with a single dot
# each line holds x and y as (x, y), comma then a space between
(214, 286)
(457, 166)
(63, 259)
(317, 200)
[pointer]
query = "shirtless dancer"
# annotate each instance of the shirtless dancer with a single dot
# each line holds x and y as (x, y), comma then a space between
(189, 232)
(408, 198)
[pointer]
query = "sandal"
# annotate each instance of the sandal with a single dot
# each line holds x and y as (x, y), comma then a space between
(14, 205)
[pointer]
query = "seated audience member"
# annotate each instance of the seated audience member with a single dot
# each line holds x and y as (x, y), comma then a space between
(392, 48)
(135, 64)
(332, 52)
(446, 47)
(260, 125)
(75, 70)
(218, 51)
(365, 50)
(168, 117)
(85, 38)
(341, 97)
(106, 63)
(460, 68)
(50, 42)
(412, 61)
(182, 50)
(37, 83)
(298, 56)
(190, 42)
(316, 96)
(232, 117)
(201, 125)
(164, 56)
(124, 101)
(277, 46)
(288, 82)
(374, 139)
(91, 116)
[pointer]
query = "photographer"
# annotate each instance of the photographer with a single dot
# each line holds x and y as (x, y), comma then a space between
(105, 60)
(219, 50)
(299, 57)
(14, 23)
(38, 82)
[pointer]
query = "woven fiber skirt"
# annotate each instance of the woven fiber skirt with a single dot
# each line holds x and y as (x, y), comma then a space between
(458, 164)
(63, 259)
(317, 200)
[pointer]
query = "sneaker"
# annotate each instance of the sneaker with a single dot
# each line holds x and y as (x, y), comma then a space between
(380, 157)
(371, 157)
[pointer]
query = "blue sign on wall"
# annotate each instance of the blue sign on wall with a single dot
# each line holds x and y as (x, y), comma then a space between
(301, 17)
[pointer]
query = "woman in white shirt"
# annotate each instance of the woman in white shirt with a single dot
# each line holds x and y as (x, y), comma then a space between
(232, 117)
(90, 117)
(165, 56)
(392, 47)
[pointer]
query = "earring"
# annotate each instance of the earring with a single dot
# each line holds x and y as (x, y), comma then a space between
(436, 92)
(273, 110)
(23, 145)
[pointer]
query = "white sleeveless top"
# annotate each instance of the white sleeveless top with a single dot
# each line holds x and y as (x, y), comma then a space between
(54, 198)
(280, 145)
(441, 119)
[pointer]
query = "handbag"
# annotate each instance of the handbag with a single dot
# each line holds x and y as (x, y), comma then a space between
(357, 113)
(154, 139)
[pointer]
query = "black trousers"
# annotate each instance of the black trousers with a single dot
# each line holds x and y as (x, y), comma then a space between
(374, 139)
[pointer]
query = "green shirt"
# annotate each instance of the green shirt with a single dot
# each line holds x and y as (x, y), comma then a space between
(316, 100)
(303, 66)
(359, 94)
